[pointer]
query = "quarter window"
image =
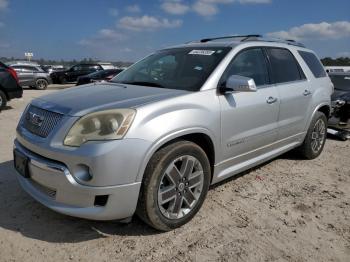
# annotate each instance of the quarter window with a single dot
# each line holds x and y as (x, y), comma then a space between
(249, 63)
(284, 66)
(313, 63)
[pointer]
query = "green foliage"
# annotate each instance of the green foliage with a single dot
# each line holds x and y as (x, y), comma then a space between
(340, 61)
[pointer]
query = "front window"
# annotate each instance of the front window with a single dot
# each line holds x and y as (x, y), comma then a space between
(249, 63)
(178, 68)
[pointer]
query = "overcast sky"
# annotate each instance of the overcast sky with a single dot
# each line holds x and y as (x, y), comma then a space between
(128, 30)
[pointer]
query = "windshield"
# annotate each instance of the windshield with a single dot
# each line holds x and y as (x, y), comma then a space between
(178, 68)
(341, 82)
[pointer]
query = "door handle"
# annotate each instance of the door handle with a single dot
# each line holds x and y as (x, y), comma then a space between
(307, 92)
(271, 100)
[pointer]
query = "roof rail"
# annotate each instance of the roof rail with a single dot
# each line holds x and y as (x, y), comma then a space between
(285, 41)
(245, 37)
(256, 37)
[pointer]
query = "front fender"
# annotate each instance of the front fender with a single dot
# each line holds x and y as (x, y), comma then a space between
(167, 138)
(166, 120)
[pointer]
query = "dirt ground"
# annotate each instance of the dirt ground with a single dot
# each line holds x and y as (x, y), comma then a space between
(285, 210)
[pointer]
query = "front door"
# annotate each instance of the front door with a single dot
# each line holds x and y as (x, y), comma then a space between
(249, 119)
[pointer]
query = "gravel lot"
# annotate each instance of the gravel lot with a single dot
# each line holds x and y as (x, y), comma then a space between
(285, 210)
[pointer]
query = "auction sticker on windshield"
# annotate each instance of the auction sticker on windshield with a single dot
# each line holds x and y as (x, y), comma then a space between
(201, 52)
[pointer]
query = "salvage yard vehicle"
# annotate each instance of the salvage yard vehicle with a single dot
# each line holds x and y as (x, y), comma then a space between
(154, 138)
(340, 119)
(52, 68)
(72, 74)
(32, 75)
(103, 75)
(9, 87)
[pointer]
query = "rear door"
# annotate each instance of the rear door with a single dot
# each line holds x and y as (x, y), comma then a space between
(248, 119)
(293, 90)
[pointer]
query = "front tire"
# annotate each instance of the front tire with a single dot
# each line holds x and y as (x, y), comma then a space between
(174, 186)
(315, 138)
(41, 84)
(3, 100)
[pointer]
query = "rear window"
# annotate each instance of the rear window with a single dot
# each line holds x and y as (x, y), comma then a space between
(313, 63)
(285, 68)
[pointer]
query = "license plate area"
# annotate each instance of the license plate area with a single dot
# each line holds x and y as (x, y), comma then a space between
(21, 163)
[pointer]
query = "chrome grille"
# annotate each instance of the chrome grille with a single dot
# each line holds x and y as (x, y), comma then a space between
(39, 121)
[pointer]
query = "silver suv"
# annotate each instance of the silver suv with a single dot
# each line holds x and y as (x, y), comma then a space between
(153, 139)
(32, 75)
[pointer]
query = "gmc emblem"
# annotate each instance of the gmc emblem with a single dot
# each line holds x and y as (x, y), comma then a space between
(35, 119)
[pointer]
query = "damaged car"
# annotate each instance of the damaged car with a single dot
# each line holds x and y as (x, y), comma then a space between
(340, 119)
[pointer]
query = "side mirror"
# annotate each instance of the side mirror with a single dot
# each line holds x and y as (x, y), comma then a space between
(236, 83)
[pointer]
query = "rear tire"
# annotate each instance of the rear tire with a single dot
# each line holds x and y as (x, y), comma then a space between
(315, 138)
(41, 84)
(3, 100)
(174, 187)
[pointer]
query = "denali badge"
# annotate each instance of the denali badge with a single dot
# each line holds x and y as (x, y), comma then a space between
(35, 119)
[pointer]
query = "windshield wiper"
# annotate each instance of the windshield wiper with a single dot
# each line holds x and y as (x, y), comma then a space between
(152, 84)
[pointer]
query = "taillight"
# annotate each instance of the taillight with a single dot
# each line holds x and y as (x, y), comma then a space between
(13, 73)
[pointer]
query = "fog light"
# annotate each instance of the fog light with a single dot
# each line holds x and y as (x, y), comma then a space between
(82, 172)
(101, 200)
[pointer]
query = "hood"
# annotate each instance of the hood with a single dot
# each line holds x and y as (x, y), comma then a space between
(81, 100)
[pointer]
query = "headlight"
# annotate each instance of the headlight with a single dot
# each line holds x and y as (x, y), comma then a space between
(100, 126)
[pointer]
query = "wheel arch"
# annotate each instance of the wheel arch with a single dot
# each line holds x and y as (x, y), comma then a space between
(326, 109)
(202, 137)
(41, 78)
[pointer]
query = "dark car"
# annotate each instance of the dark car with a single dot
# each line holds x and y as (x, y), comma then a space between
(340, 101)
(9, 87)
(105, 75)
(52, 68)
(72, 74)
(32, 75)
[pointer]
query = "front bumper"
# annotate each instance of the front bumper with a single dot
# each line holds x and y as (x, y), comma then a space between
(52, 184)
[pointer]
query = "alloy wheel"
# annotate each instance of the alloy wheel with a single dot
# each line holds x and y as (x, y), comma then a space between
(180, 187)
(41, 84)
(318, 136)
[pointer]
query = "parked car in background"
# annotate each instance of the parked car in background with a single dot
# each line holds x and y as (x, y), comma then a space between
(9, 87)
(337, 69)
(106, 65)
(103, 75)
(32, 75)
(340, 101)
(72, 74)
(154, 138)
(22, 62)
(53, 68)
